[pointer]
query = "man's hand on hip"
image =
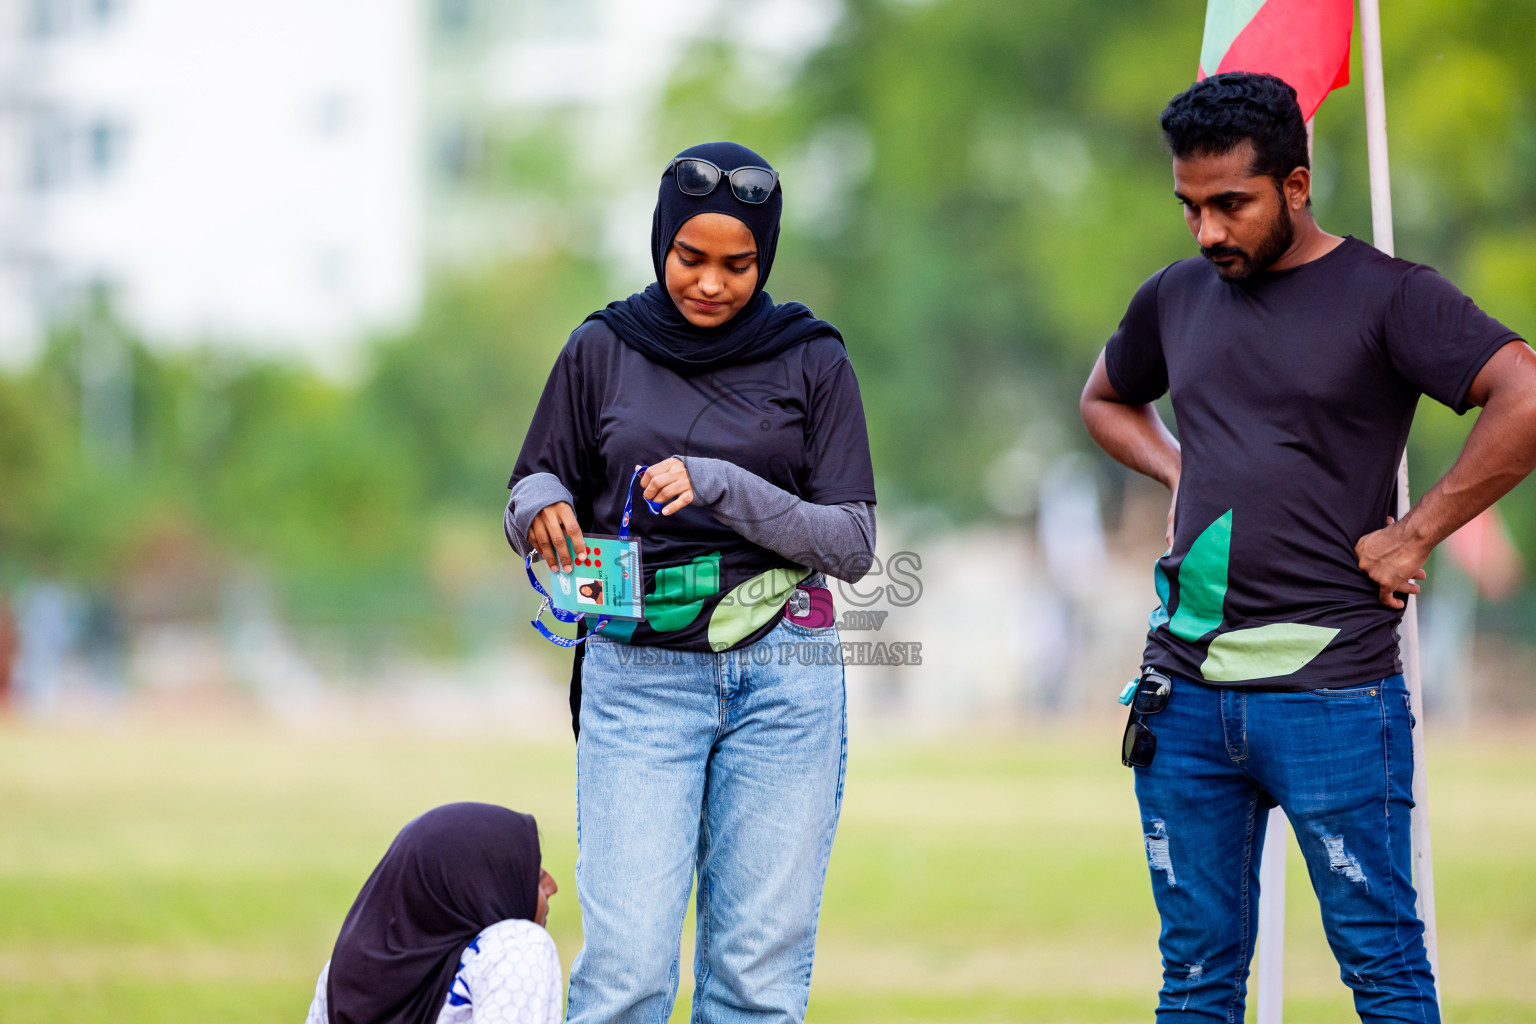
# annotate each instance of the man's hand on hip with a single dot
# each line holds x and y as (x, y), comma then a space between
(1394, 559)
(1499, 453)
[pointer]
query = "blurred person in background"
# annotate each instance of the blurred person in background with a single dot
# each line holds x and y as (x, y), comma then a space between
(449, 929)
(47, 619)
(104, 641)
(725, 757)
(9, 641)
(1294, 359)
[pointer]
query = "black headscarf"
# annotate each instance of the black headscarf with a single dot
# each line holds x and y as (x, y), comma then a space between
(449, 875)
(650, 321)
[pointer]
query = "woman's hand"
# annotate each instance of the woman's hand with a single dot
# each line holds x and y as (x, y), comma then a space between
(668, 481)
(551, 527)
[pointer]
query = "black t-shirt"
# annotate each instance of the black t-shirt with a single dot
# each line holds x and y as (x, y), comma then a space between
(796, 420)
(1293, 393)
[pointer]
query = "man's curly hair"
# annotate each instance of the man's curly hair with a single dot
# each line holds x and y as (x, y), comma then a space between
(1217, 114)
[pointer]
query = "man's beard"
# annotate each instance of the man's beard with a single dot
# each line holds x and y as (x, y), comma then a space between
(1271, 247)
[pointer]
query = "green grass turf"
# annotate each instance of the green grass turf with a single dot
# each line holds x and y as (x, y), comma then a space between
(177, 874)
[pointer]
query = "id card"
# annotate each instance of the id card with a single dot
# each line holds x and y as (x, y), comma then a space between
(607, 580)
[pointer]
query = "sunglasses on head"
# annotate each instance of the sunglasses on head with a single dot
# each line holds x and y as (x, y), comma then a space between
(698, 177)
(1138, 746)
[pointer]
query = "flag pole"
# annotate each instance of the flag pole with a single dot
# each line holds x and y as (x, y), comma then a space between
(1376, 129)
(1381, 231)
(1271, 993)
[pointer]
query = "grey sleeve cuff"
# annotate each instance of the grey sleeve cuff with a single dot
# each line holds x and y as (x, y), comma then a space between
(838, 540)
(532, 494)
(709, 478)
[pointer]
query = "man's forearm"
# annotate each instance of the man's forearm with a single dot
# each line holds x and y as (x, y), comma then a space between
(1134, 436)
(1499, 453)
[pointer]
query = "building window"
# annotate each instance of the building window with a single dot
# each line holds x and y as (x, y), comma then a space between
(50, 154)
(104, 142)
(457, 152)
(333, 270)
(568, 18)
(334, 114)
(50, 18)
(455, 17)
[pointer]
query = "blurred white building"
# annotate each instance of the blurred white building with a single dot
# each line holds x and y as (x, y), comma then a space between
(224, 170)
(278, 174)
(585, 76)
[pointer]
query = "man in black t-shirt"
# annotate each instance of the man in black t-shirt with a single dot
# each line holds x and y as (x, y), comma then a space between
(1294, 360)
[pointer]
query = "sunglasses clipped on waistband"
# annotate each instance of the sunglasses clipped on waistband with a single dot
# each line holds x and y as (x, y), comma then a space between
(698, 177)
(1139, 745)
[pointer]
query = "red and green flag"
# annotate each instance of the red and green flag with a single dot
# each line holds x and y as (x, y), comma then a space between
(1304, 42)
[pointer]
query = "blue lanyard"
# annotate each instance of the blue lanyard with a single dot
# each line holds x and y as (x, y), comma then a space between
(560, 613)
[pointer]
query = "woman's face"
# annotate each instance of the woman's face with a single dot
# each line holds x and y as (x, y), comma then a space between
(547, 888)
(711, 269)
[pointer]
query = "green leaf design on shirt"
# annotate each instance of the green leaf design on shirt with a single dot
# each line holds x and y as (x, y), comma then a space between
(1277, 649)
(1203, 581)
(751, 604)
(680, 593)
(1160, 581)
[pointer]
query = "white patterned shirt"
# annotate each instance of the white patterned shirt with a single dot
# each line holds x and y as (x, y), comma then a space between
(509, 974)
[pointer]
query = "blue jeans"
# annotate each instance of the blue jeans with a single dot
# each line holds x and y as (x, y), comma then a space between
(1340, 764)
(729, 765)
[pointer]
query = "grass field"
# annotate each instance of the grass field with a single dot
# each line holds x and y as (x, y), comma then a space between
(182, 874)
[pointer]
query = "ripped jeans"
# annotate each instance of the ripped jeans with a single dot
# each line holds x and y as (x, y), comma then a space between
(1340, 764)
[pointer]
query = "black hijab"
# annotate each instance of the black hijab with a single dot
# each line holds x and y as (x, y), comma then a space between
(450, 874)
(650, 321)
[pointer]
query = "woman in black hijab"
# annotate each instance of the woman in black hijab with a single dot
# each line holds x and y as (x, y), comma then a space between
(449, 929)
(711, 732)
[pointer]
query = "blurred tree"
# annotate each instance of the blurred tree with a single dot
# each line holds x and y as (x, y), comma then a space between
(24, 463)
(974, 190)
(461, 386)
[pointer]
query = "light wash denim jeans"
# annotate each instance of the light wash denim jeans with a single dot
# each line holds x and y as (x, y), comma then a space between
(729, 765)
(1340, 764)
